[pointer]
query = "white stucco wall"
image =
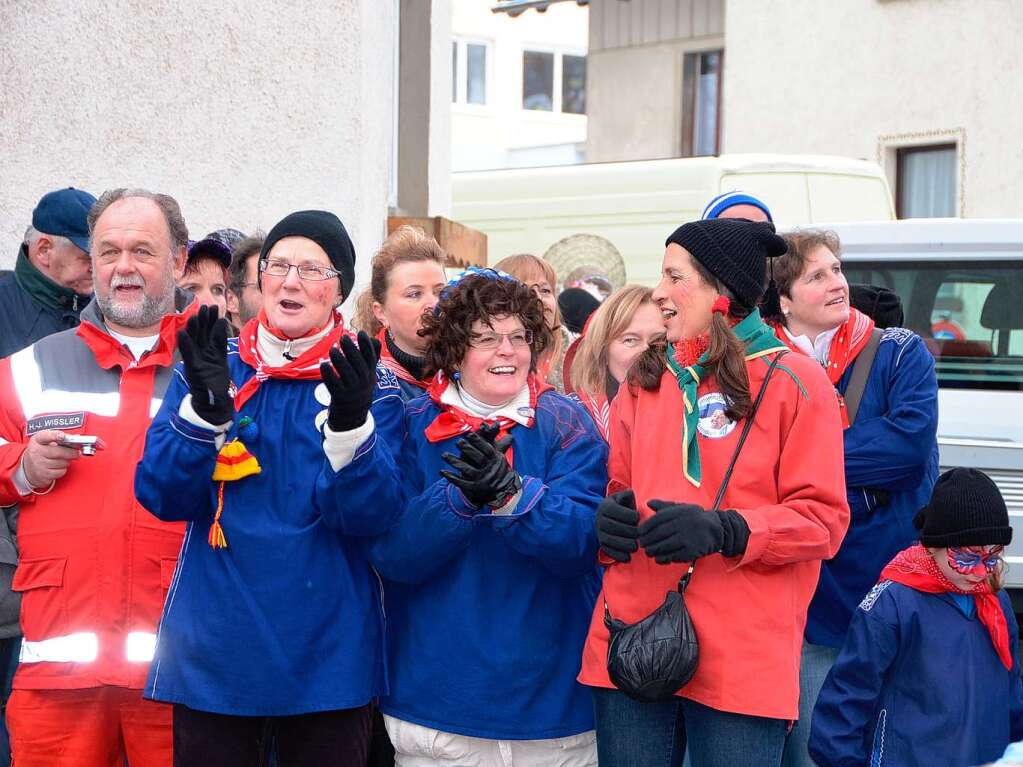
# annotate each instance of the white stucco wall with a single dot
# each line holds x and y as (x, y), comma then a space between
(482, 135)
(242, 110)
(858, 77)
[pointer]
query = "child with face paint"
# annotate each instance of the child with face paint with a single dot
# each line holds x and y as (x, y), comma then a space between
(929, 673)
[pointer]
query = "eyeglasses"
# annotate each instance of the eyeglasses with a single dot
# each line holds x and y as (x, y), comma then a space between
(966, 560)
(276, 268)
(490, 341)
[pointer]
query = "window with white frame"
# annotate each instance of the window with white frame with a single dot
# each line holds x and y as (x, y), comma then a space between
(470, 71)
(554, 81)
(701, 103)
(925, 181)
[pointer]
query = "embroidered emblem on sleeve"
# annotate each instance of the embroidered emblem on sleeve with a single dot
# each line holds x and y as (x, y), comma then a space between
(873, 594)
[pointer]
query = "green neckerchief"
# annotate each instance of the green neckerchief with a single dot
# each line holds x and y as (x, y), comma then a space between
(759, 340)
(44, 290)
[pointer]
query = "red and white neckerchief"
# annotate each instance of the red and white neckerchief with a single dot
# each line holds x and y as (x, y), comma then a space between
(305, 367)
(388, 361)
(453, 421)
(848, 342)
(915, 568)
(599, 408)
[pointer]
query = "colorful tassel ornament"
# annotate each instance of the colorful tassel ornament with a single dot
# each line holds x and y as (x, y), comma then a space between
(234, 462)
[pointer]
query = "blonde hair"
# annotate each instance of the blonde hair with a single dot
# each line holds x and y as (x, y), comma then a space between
(610, 320)
(522, 266)
(404, 245)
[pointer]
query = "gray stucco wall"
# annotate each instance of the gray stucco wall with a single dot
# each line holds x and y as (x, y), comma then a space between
(243, 111)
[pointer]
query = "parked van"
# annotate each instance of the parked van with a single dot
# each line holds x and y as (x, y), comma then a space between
(961, 285)
(636, 205)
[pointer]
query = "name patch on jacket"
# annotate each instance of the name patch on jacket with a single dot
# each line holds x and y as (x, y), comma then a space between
(61, 421)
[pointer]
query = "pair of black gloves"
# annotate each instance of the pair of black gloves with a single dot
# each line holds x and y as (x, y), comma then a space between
(350, 376)
(677, 532)
(483, 473)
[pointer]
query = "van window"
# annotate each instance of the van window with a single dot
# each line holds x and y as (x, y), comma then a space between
(970, 315)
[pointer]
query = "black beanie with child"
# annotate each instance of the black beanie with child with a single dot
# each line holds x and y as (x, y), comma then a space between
(966, 509)
(327, 231)
(734, 250)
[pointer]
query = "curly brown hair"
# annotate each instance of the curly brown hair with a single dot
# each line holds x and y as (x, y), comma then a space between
(478, 297)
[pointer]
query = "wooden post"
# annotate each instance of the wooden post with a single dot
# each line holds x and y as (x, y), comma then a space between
(464, 246)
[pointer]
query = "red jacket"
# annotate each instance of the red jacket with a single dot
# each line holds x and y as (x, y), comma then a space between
(94, 565)
(788, 485)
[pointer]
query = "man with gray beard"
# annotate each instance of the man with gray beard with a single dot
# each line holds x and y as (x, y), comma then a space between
(95, 566)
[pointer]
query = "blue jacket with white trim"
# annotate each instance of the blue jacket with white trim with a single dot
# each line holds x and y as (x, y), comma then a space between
(917, 684)
(486, 613)
(891, 463)
(287, 619)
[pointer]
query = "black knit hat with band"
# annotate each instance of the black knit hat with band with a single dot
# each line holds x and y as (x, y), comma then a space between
(327, 231)
(734, 250)
(966, 509)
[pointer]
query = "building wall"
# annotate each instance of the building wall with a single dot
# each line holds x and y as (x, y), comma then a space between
(634, 90)
(502, 133)
(243, 111)
(861, 77)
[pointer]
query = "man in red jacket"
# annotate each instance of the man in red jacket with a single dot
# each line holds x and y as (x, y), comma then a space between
(94, 564)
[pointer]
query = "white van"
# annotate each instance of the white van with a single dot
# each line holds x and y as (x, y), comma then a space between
(636, 205)
(961, 285)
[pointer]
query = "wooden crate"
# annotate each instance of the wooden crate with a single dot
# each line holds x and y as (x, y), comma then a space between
(464, 246)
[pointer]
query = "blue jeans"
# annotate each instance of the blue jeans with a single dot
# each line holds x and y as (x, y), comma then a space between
(633, 734)
(814, 665)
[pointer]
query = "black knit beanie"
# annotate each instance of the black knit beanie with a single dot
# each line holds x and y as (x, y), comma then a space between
(734, 250)
(882, 305)
(576, 307)
(327, 231)
(966, 509)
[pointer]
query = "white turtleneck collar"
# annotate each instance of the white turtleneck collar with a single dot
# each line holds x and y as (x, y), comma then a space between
(818, 348)
(517, 408)
(272, 349)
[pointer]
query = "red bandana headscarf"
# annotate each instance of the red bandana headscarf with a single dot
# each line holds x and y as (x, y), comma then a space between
(453, 421)
(848, 342)
(305, 367)
(915, 568)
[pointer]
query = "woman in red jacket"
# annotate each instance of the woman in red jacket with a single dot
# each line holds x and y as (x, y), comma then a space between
(673, 433)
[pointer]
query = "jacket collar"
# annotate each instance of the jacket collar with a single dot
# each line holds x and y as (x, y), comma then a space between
(110, 352)
(44, 290)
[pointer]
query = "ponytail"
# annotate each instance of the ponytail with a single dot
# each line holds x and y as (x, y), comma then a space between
(726, 360)
(363, 317)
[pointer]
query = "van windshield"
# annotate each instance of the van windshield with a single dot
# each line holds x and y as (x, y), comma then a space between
(970, 315)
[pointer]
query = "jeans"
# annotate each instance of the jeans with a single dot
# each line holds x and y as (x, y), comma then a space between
(319, 739)
(814, 665)
(634, 734)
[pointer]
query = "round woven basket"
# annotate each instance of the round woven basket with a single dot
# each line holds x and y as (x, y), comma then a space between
(587, 249)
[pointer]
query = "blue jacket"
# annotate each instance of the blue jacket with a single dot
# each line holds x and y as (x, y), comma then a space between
(287, 619)
(917, 684)
(891, 463)
(487, 614)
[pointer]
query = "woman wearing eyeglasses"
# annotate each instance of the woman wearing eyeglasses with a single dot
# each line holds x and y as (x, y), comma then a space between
(490, 573)
(273, 623)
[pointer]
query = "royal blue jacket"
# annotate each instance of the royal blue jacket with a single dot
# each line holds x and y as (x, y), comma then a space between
(487, 614)
(891, 463)
(918, 684)
(286, 619)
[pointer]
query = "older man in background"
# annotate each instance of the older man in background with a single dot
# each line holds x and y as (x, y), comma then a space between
(52, 279)
(95, 565)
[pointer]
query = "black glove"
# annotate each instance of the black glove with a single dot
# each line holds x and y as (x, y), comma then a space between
(617, 525)
(484, 474)
(683, 532)
(351, 378)
(203, 347)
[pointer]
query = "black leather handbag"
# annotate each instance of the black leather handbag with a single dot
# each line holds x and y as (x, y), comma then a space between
(652, 659)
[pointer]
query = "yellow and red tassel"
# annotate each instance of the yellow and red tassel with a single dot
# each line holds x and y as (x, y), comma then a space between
(234, 462)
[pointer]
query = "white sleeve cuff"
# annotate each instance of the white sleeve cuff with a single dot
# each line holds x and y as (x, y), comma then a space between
(187, 413)
(341, 446)
(20, 481)
(510, 506)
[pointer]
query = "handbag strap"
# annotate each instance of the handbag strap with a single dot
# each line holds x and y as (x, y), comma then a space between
(860, 372)
(684, 580)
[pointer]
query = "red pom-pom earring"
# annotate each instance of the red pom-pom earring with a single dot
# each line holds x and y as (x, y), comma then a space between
(721, 305)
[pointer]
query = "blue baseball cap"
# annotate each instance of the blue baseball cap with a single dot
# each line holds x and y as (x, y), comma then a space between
(64, 213)
(724, 201)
